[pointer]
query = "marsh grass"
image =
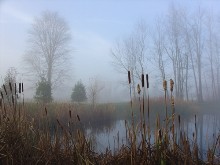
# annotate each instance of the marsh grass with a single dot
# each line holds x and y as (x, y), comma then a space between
(34, 133)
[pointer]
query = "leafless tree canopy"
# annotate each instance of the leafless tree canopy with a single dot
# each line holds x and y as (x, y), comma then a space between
(130, 54)
(184, 46)
(48, 51)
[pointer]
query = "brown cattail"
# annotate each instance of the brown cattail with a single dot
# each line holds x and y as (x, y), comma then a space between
(147, 81)
(171, 85)
(10, 86)
(58, 122)
(0, 102)
(138, 89)
(142, 80)
(15, 89)
(70, 113)
(165, 85)
(172, 101)
(78, 117)
(13, 102)
(22, 87)
(19, 88)
(45, 111)
(179, 119)
(160, 134)
(2, 95)
(129, 77)
(5, 89)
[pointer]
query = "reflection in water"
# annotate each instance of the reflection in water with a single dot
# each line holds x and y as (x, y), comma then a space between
(204, 129)
(111, 138)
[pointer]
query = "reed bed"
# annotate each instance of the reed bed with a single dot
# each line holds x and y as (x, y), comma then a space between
(32, 133)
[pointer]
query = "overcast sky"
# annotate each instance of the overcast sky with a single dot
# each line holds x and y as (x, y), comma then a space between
(95, 27)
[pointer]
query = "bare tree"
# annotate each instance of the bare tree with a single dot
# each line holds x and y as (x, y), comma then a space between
(93, 90)
(158, 49)
(129, 54)
(210, 50)
(197, 26)
(175, 49)
(48, 53)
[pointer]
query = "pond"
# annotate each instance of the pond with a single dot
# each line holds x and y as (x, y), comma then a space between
(203, 129)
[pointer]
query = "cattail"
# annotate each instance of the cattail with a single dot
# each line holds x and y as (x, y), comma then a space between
(171, 85)
(15, 89)
(5, 89)
(45, 111)
(70, 113)
(147, 81)
(179, 119)
(58, 122)
(160, 134)
(138, 89)
(172, 101)
(78, 117)
(129, 77)
(13, 102)
(0, 102)
(22, 87)
(10, 86)
(142, 80)
(165, 85)
(2, 95)
(19, 87)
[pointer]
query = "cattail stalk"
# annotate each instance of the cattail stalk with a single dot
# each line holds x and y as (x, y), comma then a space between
(5, 90)
(173, 110)
(19, 88)
(129, 82)
(165, 102)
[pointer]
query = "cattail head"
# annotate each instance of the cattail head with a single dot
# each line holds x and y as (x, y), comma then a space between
(13, 101)
(179, 119)
(0, 102)
(142, 80)
(171, 85)
(19, 88)
(45, 111)
(165, 85)
(10, 86)
(58, 122)
(70, 113)
(2, 95)
(160, 134)
(138, 89)
(147, 81)
(15, 89)
(5, 89)
(78, 117)
(22, 86)
(172, 101)
(129, 77)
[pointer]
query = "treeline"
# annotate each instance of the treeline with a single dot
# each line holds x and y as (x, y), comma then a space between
(183, 45)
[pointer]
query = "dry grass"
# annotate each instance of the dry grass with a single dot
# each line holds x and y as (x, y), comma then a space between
(54, 134)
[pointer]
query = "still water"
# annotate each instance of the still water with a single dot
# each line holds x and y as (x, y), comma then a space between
(203, 129)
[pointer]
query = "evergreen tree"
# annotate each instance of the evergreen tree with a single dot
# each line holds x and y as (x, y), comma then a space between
(43, 91)
(79, 92)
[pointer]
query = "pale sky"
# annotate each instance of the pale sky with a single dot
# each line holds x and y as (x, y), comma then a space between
(95, 25)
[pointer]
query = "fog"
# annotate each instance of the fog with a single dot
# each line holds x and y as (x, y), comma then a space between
(96, 28)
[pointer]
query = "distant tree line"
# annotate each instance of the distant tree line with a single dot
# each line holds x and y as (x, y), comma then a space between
(183, 45)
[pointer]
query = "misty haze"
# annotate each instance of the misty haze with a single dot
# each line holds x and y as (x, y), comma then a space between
(110, 82)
